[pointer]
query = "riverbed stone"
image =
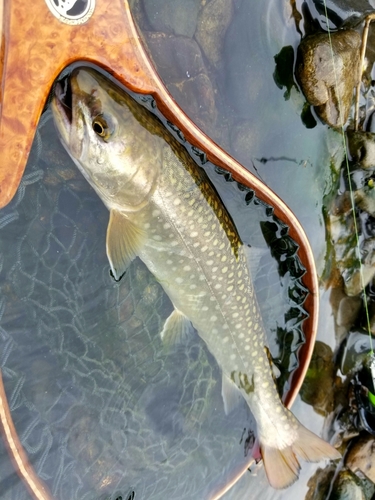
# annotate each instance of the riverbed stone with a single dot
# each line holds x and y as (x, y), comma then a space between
(180, 64)
(178, 17)
(361, 456)
(213, 21)
(362, 148)
(318, 388)
(327, 81)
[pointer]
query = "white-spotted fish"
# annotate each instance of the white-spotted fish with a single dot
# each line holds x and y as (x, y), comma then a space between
(164, 210)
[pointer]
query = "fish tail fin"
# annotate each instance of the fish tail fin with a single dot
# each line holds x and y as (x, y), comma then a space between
(282, 466)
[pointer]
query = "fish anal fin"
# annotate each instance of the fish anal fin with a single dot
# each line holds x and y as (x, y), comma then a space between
(282, 465)
(177, 328)
(230, 393)
(124, 240)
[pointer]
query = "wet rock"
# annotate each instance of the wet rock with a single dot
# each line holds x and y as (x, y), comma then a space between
(347, 486)
(362, 148)
(365, 199)
(213, 21)
(361, 457)
(320, 483)
(320, 382)
(245, 138)
(324, 81)
(178, 17)
(345, 310)
(180, 64)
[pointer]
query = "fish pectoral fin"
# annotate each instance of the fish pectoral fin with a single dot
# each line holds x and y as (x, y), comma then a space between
(124, 240)
(230, 393)
(177, 327)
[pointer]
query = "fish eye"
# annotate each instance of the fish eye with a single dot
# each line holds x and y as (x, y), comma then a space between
(102, 126)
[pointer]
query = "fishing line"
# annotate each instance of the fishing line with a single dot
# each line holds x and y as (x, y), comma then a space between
(349, 179)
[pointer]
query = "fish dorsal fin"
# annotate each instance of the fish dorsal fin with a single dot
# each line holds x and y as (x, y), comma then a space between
(230, 393)
(124, 240)
(177, 327)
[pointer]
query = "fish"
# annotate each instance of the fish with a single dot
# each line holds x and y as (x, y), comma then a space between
(164, 210)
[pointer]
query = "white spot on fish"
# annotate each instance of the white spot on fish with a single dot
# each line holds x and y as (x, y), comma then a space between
(156, 237)
(166, 226)
(224, 258)
(209, 262)
(213, 318)
(187, 268)
(217, 286)
(204, 308)
(192, 287)
(194, 234)
(155, 213)
(225, 340)
(147, 225)
(247, 347)
(179, 280)
(177, 202)
(232, 357)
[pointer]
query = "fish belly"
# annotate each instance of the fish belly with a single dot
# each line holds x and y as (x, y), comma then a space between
(190, 254)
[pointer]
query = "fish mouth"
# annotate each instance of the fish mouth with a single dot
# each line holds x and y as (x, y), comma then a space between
(64, 100)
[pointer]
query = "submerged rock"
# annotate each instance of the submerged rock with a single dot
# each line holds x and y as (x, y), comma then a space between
(361, 457)
(347, 486)
(320, 483)
(213, 22)
(180, 64)
(328, 81)
(173, 16)
(318, 389)
(362, 148)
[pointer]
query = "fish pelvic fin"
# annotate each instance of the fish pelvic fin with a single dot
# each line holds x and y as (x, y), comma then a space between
(124, 240)
(177, 328)
(282, 466)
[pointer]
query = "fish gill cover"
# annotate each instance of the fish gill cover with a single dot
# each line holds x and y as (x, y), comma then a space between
(101, 408)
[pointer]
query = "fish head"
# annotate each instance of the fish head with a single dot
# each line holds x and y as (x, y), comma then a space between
(102, 128)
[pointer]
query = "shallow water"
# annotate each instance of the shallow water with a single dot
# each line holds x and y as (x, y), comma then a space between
(68, 329)
(101, 408)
